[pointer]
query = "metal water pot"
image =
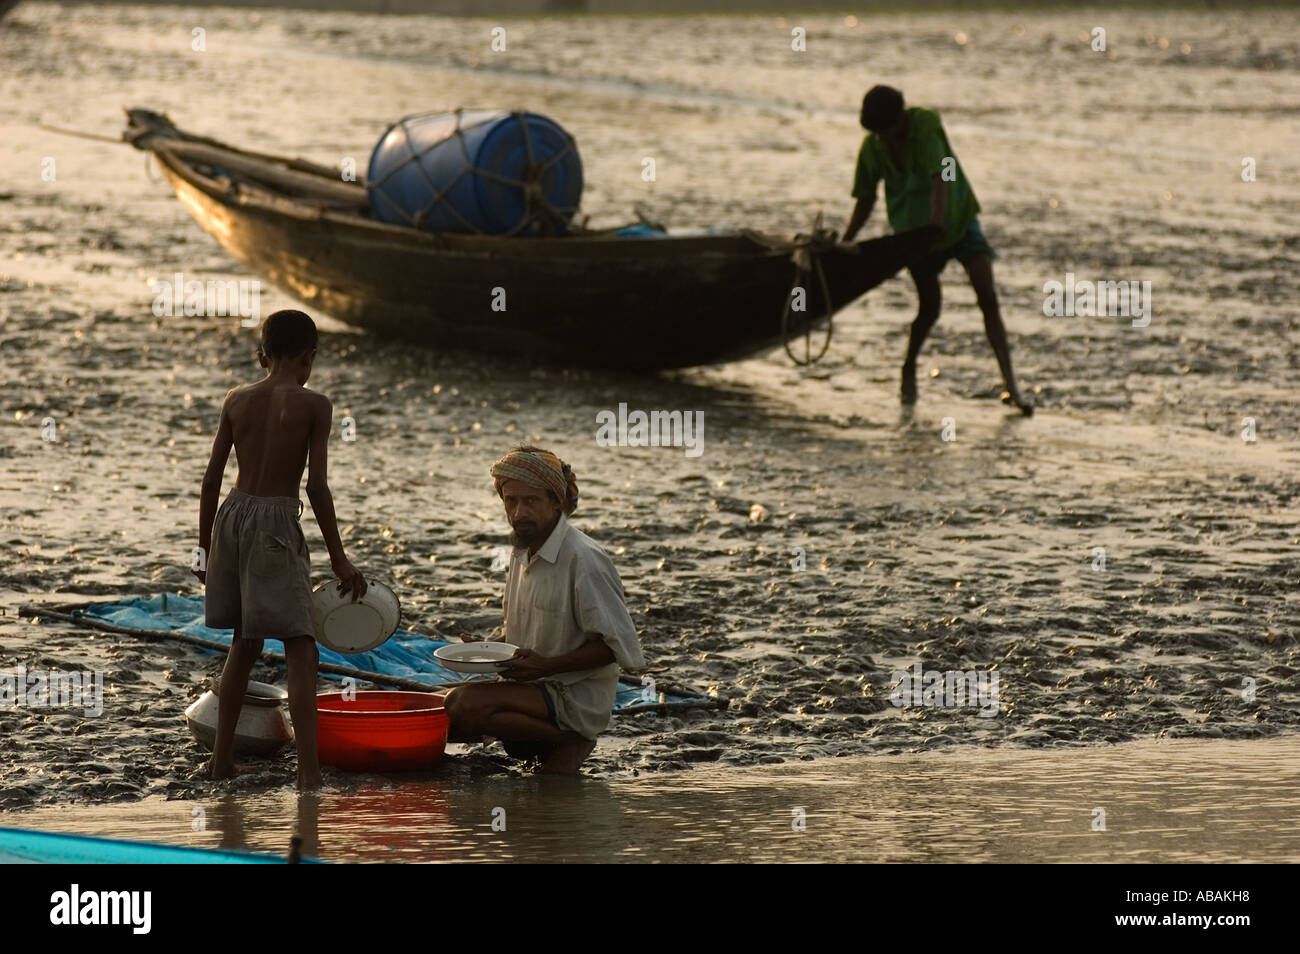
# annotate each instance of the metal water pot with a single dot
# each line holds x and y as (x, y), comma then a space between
(263, 727)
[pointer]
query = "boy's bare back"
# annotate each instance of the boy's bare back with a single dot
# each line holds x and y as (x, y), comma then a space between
(272, 425)
(277, 428)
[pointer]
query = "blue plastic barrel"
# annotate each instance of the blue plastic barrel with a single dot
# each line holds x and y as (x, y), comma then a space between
(476, 171)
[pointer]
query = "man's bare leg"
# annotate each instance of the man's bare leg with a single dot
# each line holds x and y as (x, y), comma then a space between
(230, 701)
(507, 710)
(302, 660)
(503, 710)
(980, 270)
(927, 313)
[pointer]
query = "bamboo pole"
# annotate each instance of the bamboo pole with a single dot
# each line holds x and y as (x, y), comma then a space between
(378, 678)
(666, 707)
(297, 175)
(315, 186)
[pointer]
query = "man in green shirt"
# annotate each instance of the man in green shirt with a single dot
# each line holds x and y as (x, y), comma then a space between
(925, 185)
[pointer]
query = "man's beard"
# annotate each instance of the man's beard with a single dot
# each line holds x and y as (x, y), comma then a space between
(530, 534)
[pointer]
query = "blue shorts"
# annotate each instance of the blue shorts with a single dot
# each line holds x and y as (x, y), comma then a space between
(971, 244)
(550, 703)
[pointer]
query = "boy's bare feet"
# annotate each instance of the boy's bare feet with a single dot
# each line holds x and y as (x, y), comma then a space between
(1018, 399)
(907, 392)
(226, 772)
(219, 773)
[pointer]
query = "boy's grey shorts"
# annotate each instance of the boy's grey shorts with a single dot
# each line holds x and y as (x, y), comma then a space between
(259, 570)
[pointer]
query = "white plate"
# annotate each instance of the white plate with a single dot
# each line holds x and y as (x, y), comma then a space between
(475, 657)
(348, 627)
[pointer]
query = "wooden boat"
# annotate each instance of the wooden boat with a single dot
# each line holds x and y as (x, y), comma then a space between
(589, 299)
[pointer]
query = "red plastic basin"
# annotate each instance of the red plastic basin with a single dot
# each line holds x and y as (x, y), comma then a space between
(381, 731)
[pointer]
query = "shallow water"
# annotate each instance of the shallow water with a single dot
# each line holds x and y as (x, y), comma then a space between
(1135, 802)
(970, 554)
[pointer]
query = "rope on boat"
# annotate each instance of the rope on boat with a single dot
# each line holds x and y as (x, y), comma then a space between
(805, 250)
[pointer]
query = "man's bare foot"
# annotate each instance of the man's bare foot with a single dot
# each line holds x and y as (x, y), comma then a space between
(524, 751)
(1019, 401)
(565, 758)
(907, 392)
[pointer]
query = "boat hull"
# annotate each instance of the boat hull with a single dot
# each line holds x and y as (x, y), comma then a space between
(639, 304)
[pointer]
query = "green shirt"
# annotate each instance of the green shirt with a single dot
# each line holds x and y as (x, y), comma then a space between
(907, 190)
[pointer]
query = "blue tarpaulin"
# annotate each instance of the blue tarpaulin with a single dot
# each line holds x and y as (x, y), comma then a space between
(407, 654)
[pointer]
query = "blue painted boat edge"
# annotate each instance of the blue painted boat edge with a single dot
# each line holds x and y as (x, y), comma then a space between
(48, 847)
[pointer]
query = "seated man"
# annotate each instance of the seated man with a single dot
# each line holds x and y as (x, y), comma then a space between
(564, 609)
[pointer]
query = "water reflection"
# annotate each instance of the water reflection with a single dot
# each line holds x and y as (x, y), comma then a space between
(1170, 801)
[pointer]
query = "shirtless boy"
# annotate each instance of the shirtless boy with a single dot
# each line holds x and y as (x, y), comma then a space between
(258, 577)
